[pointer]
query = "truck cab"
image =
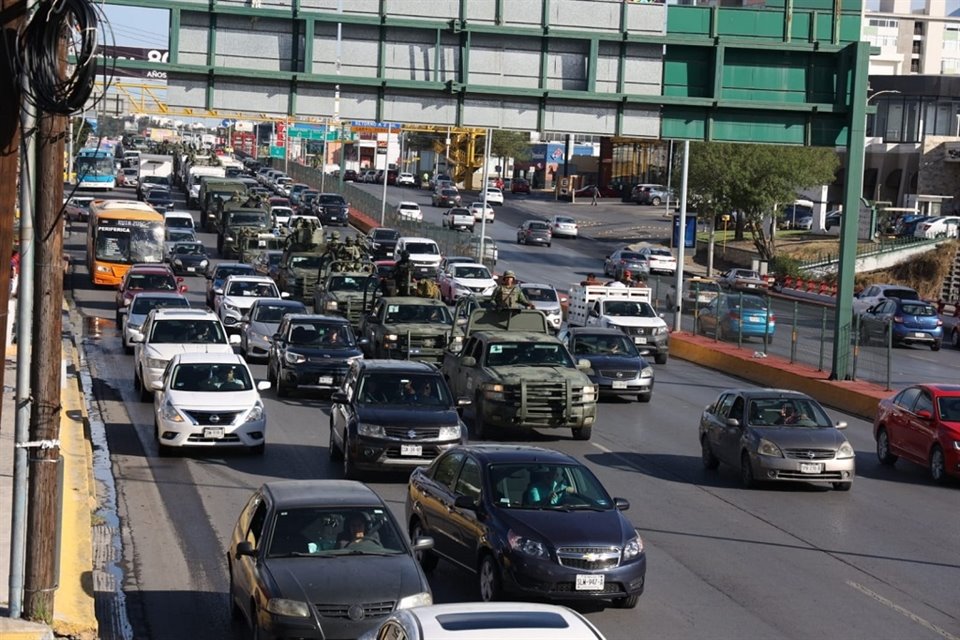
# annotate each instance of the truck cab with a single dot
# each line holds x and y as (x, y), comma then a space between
(625, 308)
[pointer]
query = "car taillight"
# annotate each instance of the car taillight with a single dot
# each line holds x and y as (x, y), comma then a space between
(939, 322)
(898, 319)
(734, 315)
(772, 318)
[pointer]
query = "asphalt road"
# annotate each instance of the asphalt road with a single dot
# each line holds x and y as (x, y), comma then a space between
(779, 562)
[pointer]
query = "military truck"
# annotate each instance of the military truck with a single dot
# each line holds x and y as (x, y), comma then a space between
(212, 191)
(235, 218)
(345, 288)
(300, 264)
(519, 376)
(251, 243)
(407, 328)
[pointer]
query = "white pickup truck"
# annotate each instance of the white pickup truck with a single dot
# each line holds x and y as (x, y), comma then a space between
(626, 308)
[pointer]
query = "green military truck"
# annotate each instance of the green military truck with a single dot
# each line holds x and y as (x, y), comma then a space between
(251, 243)
(213, 191)
(236, 218)
(519, 376)
(300, 264)
(407, 328)
(346, 289)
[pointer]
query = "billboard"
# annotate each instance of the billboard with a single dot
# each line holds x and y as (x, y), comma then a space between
(137, 53)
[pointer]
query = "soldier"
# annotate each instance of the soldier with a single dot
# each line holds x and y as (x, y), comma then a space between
(402, 274)
(508, 295)
(352, 253)
(427, 288)
(333, 246)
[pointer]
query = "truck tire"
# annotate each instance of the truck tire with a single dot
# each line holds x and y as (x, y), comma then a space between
(660, 358)
(582, 433)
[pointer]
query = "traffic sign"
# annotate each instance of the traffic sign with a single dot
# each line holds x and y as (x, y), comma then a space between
(276, 151)
(376, 127)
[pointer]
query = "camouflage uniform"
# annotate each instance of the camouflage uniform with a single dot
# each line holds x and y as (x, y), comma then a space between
(427, 288)
(402, 275)
(510, 296)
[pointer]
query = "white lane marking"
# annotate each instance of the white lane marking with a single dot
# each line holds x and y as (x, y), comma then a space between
(905, 612)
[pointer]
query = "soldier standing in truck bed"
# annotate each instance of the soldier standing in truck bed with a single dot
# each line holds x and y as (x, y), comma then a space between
(508, 295)
(402, 274)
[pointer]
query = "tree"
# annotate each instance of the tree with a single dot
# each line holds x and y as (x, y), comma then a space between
(510, 144)
(755, 180)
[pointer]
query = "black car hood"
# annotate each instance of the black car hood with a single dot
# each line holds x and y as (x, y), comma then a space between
(403, 415)
(318, 352)
(612, 362)
(570, 528)
(190, 258)
(345, 579)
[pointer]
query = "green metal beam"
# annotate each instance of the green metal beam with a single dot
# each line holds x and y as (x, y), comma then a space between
(174, 45)
(592, 62)
(309, 33)
(211, 57)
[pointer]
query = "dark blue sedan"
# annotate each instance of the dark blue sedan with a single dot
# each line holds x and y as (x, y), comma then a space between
(911, 322)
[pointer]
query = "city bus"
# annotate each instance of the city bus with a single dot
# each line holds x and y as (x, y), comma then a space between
(121, 233)
(96, 169)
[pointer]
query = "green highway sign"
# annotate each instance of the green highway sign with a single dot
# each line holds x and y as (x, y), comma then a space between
(331, 135)
(275, 151)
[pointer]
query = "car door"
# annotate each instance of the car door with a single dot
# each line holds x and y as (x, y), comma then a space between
(899, 418)
(436, 505)
(728, 443)
(341, 413)
(707, 316)
(277, 342)
(246, 569)
(920, 430)
(466, 377)
(713, 421)
(466, 524)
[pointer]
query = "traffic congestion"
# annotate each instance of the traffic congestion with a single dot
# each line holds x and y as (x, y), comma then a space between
(355, 425)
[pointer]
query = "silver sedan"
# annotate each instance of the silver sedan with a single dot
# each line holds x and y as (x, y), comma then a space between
(260, 324)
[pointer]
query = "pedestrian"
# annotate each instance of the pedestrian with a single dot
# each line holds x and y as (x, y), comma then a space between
(590, 281)
(596, 194)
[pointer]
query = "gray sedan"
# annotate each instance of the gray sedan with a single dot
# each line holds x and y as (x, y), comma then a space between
(775, 435)
(261, 323)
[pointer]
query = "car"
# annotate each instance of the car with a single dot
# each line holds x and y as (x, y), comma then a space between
(321, 559)
(332, 209)
(280, 216)
(794, 213)
(142, 304)
(902, 322)
(832, 219)
(260, 324)
(130, 176)
(544, 298)
(921, 424)
(654, 260)
(145, 184)
(621, 260)
(458, 218)
(477, 209)
(465, 279)
(906, 226)
(160, 199)
(449, 261)
(803, 222)
(696, 292)
(564, 227)
(494, 195)
(217, 274)
(616, 367)
(939, 227)
(311, 351)
(209, 400)
(486, 620)
(875, 293)
(534, 232)
(407, 328)
(495, 182)
(438, 180)
(77, 208)
(409, 211)
(267, 263)
(238, 294)
(423, 253)
(280, 201)
(349, 175)
(146, 277)
(650, 194)
(188, 258)
(726, 319)
(519, 185)
(167, 332)
(742, 280)
(775, 435)
(406, 179)
(446, 197)
(391, 415)
(295, 190)
(541, 525)
(382, 242)
(178, 220)
(174, 235)
(370, 175)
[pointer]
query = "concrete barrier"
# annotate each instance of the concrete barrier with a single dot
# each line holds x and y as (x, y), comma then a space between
(361, 221)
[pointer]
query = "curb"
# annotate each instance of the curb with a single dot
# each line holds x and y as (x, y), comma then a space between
(14, 629)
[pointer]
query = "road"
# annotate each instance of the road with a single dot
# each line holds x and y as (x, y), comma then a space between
(791, 562)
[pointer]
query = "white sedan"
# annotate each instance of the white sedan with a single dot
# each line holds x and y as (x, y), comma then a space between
(405, 180)
(465, 279)
(477, 209)
(409, 211)
(494, 196)
(564, 227)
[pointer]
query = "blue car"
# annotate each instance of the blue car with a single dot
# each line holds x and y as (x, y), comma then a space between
(217, 275)
(725, 318)
(913, 322)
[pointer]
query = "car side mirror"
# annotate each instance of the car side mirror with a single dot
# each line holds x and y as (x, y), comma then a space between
(423, 543)
(136, 336)
(182, 288)
(622, 504)
(464, 402)
(339, 396)
(263, 385)
(235, 340)
(244, 319)
(732, 422)
(594, 313)
(245, 548)
(156, 385)
(284, 294)
(465, 502)
(468, 361)
(583, 364)
(841, 425)
(218, 291)
(924, 414)
(178, 279)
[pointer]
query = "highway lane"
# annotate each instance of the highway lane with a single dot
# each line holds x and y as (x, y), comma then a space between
(780, 562)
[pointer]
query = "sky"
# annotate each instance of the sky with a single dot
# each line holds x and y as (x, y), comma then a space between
(138, 27)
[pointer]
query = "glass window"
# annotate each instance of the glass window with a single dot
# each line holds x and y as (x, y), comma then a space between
(546, 485)
(187, 332)
(722, 408)
(907, 398)
(142, 305)
(924, 403)
(270, 313)
(527, 354)
(323, 531)
(894, 121)
(800, 412)
(604, 344)
(255, 531)
(446, 469)
(418, 389)
(470, 480)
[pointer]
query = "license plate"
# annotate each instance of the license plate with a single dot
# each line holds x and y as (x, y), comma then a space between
(212, 433)
(191, 269)
(619, 384)
(919, 334)
(325, 380)
(810, 467)
(640, 340)
(751, 286)
(411, 450)
(755, 319)
(589, 582)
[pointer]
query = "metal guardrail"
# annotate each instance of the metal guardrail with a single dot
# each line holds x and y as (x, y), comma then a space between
(885, 245)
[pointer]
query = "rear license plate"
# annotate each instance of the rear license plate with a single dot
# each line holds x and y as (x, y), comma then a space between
(640, 340)
(325, 380)
(751, 286)
(589, 582)
(212, 433)
(411, 450)
(619, 384)
(810, 467)
(919, 334)
(755, 319)
(191, 269)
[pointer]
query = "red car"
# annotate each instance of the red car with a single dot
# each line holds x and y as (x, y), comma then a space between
(519, 185)
(146, 277)
(921, 424)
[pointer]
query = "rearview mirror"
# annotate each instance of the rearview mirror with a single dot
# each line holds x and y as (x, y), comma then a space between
(339, 396)
(263, 385)
(468, 361)
(465, 502)
(245, 548)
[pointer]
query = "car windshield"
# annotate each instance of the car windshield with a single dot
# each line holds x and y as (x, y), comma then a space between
(796, 412)
(540, 294)
(176, 221)
(187, 332)
(750, 303)
(158, 281)
(538, 485)
(628, 308)
(338, 531)
(422, 389)
(332, 199)
(189, 248)
(247, 218)
(178, 235)
(403, 313)
(629, 255)
(210, 377)
(753, 275)
(305, 262)
(233, 270)
(470, 272)
(326, 335)
(385, 234)
(923, 310)
(344, 283)
(604, 345)
(903, 294)
(527, 354)
(143, 304)
(273, 313)
(422, 248)
(253, 289)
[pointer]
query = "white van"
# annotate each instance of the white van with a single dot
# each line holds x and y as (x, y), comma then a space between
(424, 255)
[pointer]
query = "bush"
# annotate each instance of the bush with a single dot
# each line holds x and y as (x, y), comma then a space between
(783, 266)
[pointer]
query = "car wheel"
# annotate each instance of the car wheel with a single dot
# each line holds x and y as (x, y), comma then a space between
(709, 460)
(254, 622)
(145, 394)
(582, 433)
(842, 486)
(489, 579)
(746, 472)
(282, 389)
(935, 346)
(955, 338)
(332, 450)
(938, 465)
(883, 449)
(630, 602)
(644, 397)
(655, 202)
(660, 358)
(427, 559)
(272, 379)
(235, 612)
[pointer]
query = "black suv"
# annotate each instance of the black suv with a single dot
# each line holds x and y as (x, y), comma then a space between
(391, 415)
(332, 209)
(311, 351)
(382, 242)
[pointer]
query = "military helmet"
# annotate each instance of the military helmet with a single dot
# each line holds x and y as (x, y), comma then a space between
(349, 240)
(509, 274)
(335, 235)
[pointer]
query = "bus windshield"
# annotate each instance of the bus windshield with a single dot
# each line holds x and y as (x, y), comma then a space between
(129, 241)
(94, 166)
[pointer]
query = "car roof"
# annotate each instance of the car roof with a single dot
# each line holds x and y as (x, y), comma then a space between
(317, 316)
(177, 214)
(516, 453)
(242, 277)
(594, 331)
(162, 313)
(309, 493)
(536, 285)
(160, 295)
(417, 239)
(235, 264)
(282, 302)
(150, 268)
(942, 387)
(515, 336)
(412, 366)
(209, 358)
(786, 394)
(475, 620)
(468, 264)
(407, 203)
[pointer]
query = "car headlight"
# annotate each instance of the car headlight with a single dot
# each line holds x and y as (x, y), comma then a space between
(659, 331)
(449, 433)
(422, 599)
(169, 412)
(845, 451)
(493, 391)
(589, 393)
(291, 608)
(255, 413)
(294, 358)
(646, 372)
(371, 430)
(527, 546)
(767, 448)
(203, 264)
(633, 548)
(178, 262)
(456, 343)
(330, 305)
(390, 337)
(156, 363)
(355, 358)
(228, 306)
(102, 269)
